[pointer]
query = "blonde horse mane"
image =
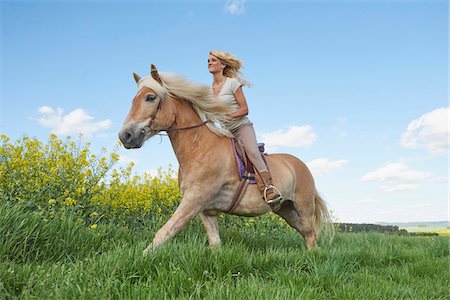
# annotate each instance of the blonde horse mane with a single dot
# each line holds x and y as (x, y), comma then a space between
(199, 96)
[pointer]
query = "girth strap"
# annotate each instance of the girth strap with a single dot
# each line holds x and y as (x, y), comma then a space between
(242, 187)
(243, 184)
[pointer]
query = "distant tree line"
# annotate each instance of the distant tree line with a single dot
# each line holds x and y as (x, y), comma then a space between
(423, 233)
(353, 228)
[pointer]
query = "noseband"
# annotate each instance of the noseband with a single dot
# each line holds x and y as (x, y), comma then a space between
(153, 117)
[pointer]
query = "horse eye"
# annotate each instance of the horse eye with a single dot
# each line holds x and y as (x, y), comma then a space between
(150, 98)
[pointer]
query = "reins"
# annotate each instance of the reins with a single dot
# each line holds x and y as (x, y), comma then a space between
(186, 128)
(153, 116)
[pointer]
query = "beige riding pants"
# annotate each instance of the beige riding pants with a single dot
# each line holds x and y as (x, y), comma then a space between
(246, 134)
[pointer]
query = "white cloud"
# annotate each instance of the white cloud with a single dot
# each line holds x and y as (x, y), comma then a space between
(430, 131)
(152, 172)
(295, 136)
(321, 166)
(159, 173)
(75, 122)
(399, 177)
(391, 187)
(235, 7)
(338, 129)
(125, 160)
(46, 109)
(368, 201)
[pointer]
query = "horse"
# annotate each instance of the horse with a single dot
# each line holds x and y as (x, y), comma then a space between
(208, 173)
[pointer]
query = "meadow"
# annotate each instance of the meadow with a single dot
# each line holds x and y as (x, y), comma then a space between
(63, 259)
(441, 230)
(73, 227)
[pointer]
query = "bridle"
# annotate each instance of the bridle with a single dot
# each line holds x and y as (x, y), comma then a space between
(153, 117)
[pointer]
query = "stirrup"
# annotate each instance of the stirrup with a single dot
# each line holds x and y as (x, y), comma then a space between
(276, 200)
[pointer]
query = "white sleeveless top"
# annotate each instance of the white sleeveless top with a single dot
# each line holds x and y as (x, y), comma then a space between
(226, 95)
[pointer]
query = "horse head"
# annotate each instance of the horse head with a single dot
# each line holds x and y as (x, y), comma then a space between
(150, 112)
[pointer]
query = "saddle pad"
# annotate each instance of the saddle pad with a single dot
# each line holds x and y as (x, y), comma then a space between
(241, 165)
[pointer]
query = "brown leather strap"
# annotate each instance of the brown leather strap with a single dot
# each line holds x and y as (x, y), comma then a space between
(238, 195)
(153, 117)
(241, 188)
(275, 206)
(186, 128)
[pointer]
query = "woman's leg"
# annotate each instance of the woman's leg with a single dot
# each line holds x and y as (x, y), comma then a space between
(246, 134)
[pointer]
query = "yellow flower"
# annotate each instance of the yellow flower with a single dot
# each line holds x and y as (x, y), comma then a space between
(51, 201)
(70, 201)
(94, 215)
(93, 226)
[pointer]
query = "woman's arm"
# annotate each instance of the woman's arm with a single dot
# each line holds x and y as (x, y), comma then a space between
(243, 108)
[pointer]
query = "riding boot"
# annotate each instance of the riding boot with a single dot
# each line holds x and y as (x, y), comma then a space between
(269, 192)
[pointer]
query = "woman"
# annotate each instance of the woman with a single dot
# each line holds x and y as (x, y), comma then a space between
(227, 86)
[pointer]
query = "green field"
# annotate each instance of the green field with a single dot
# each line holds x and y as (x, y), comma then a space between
(60, 259)
(441, 230)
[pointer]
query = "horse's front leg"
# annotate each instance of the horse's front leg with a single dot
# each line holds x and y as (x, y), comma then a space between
(187, 209)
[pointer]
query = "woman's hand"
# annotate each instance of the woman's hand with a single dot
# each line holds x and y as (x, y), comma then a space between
(243, 108)
(228, 117)
(242, 111)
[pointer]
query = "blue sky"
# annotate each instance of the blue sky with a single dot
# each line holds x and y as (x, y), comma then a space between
(356, 89)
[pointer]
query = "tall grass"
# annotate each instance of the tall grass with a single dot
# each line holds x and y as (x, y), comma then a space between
(72, 227)
(62, 259)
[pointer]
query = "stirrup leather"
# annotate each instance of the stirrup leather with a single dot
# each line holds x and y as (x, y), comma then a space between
(276, 200)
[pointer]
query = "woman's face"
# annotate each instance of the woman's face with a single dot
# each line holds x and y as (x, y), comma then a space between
(215, 65)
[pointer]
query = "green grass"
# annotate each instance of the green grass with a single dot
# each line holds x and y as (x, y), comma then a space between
(59, 259)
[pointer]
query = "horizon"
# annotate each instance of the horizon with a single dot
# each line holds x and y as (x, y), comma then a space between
(356, 90)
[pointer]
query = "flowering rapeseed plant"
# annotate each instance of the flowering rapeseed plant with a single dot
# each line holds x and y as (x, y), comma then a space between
(64, 177)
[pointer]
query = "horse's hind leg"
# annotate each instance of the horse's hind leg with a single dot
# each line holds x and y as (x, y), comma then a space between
(302, 223)
(212, 228)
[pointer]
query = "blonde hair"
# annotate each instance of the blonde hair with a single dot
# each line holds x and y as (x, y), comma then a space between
(232, 65)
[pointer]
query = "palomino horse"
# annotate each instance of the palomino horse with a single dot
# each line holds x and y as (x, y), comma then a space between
(208, 173)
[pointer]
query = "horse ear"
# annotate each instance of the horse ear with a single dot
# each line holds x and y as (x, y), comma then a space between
(154, 74)
(136, 77)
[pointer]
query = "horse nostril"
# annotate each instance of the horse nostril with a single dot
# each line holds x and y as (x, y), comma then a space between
(127, 137)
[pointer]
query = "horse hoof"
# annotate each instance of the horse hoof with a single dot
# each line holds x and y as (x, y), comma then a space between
(215, 247)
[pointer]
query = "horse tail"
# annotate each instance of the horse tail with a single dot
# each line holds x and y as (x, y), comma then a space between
(322, 215)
